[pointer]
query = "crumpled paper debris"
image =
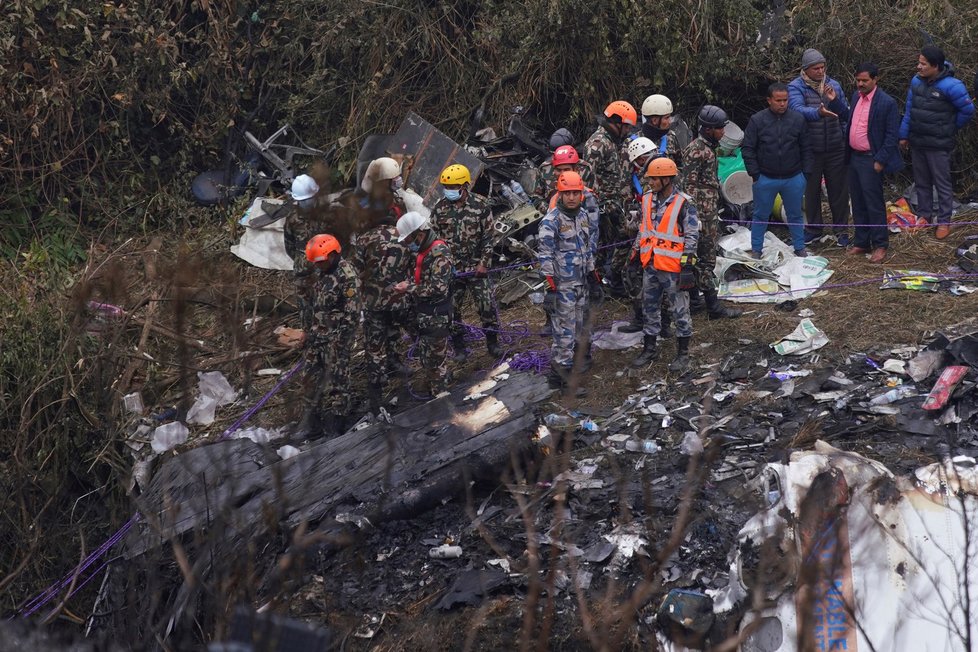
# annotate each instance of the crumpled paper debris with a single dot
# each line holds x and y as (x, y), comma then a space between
(804, 339)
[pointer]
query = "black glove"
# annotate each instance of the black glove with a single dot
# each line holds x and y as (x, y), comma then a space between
(550, 302)
(687, 277)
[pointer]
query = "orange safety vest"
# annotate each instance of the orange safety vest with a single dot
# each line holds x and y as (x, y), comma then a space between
(420, 260)
(662, 243)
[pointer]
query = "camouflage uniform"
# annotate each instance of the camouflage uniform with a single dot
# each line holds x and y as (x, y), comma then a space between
(566, 254)
(432, 305)
(612, 179)
(657, 284)
(330, 314)
(547, 182)
(467, 228)
(382, 262)
(703, 185)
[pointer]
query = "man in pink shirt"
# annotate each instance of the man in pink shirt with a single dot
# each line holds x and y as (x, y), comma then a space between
(871, 147)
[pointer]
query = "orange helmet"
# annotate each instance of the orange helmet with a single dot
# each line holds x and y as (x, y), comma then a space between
(565, 155)
(320, 247)
(625, 112)
(569, 181)
(662, 167)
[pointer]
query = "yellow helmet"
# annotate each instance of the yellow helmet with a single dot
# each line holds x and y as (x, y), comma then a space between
(455, 175)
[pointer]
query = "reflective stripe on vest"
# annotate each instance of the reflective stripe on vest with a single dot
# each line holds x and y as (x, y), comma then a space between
(662, 243)
(420, 259)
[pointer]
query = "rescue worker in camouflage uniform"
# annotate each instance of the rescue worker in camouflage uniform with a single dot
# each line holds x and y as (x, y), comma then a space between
(605, 151)
(303, 221)
(666, 246)
(330, 314)
(657, 127)
(565, 252)
(429, 288)
(382, 262)
(464, 220)
(702, 182)
(565, 159)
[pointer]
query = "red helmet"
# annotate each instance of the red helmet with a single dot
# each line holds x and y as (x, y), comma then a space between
(565, 155)
(320, 247)
(569, 181)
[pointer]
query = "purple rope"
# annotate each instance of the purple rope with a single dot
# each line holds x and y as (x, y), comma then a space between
(48, 594)
(909, 227)
(536, 361)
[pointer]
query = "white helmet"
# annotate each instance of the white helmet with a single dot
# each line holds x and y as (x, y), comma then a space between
(304, 187)
(656, 105)
(640, 147)
(380, 169)
(409, 223)
(386, 168)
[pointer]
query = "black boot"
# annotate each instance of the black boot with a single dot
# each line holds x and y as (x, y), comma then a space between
(719, 310)
(696, 301)
(648, 354)
(309, 425)
(458, 344)
(665, 317)
(638, 319)
(492, 344)
(557, 376)
(375, 394)
(548, 327)
(583, 360)
(329, 425)
(682, 362)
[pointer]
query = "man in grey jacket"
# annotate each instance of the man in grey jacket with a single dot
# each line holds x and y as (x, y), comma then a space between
(777, 156)
(821, 101)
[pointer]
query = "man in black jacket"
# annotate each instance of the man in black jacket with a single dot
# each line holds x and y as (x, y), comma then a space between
(871, 140)
(778, 158)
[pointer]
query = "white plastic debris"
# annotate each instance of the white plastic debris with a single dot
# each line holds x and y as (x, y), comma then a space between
(895, 366)
(169, 435)
(287, 451)
(133, 403)
(692, 444)
(445, 552)
(215, 391)
(256, 434)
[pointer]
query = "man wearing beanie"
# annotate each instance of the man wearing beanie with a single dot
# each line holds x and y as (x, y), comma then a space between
(820, 99)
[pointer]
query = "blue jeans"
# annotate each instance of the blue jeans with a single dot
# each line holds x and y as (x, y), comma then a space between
(791, 190)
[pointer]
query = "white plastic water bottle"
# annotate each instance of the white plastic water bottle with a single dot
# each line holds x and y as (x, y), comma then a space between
(893, 395)
(510, 196)
(647, 446)
(518, 189)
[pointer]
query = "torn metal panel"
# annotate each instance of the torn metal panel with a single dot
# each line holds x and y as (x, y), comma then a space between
(877, 562)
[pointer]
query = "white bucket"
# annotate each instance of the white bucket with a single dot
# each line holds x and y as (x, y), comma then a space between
(738, 188)
(733, 136)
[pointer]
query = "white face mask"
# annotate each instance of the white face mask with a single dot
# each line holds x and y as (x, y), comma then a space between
(397, 183)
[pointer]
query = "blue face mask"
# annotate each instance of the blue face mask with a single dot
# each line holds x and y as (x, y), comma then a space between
(414, 247)
(452, 195)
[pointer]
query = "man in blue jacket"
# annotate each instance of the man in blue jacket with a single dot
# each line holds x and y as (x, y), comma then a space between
(937, 106)
(777, 156)
(821, 101)
(871, 140)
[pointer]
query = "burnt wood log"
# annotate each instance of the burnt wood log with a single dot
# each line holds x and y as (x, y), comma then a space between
(238, 489)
